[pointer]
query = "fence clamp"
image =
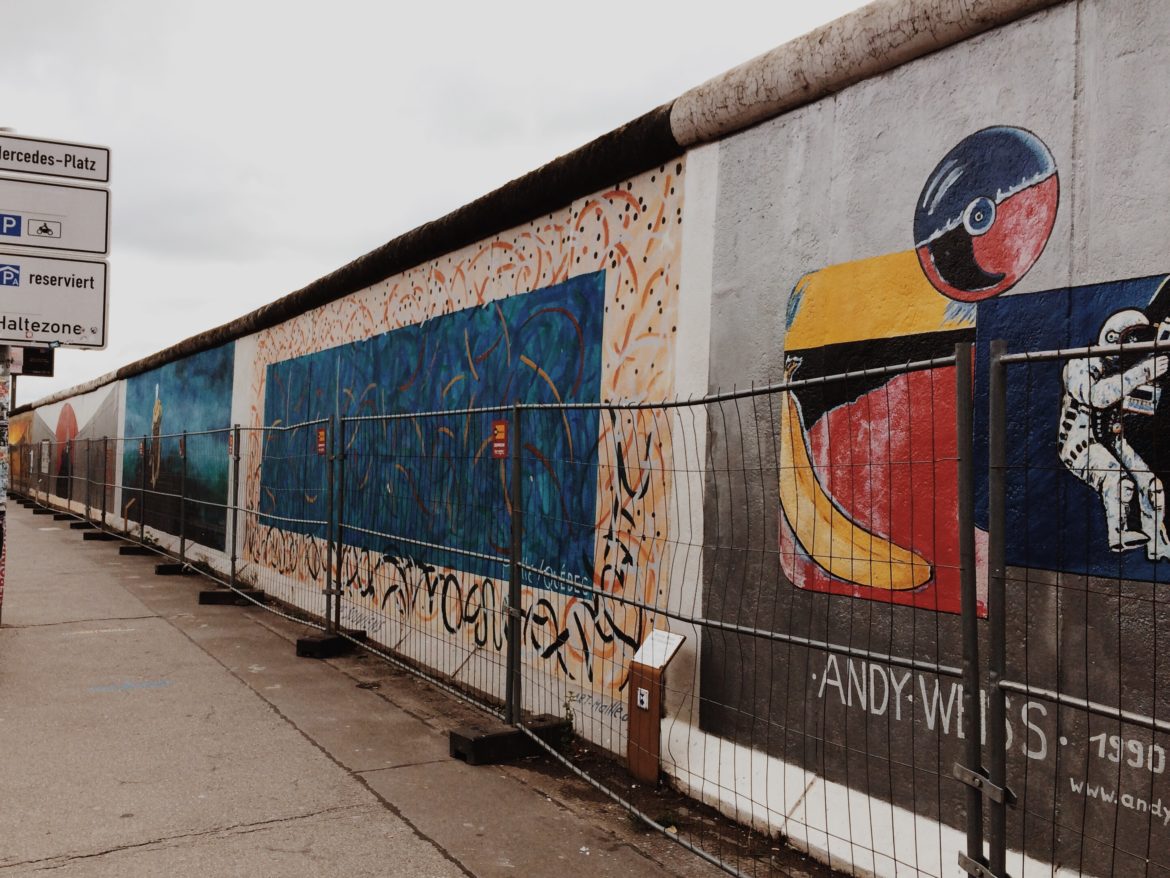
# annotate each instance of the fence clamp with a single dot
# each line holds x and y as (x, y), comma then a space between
(510, 611)
(979, 781)
(975, 868)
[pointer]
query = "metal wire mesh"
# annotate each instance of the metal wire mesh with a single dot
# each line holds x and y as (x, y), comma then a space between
(1083, 538)
(424, 529)
(802, 539)
(754, 524)
(285, 516)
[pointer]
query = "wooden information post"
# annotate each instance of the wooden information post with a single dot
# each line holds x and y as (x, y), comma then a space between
(646, 692)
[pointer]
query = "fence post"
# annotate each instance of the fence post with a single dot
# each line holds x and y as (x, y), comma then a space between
(996, 615)
(183, 498)
(88, 481)
(234, 451)
(972, 771)
(334, 523)
(142, 491)
(339, 514)
(105, 475)
(514, 697)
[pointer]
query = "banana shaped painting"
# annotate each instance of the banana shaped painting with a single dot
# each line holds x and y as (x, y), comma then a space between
(837, 543)
(866, 470)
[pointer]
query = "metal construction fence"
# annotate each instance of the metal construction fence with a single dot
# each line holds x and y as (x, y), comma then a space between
(918, 606)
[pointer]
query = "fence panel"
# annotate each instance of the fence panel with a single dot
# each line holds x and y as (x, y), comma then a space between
(804, 539)
(1084, 566)
(21, 464)
(425, 541)
(284, 513)
(73, 473)
(204, 478)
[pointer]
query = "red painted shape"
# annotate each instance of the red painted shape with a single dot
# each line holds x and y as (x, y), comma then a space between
(1016, 239)
(888, 460)
(66, 431)
(1023, 224)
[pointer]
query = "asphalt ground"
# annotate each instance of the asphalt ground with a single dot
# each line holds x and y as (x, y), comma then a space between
(143, 734)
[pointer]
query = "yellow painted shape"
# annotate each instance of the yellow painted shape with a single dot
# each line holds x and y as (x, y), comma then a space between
(835, 542)
(882, 297)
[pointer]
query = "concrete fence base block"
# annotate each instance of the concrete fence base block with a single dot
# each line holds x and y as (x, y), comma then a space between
(221, 597)
(100, 536)
(491, 743)
(41, 510)
(81, 525)
(327, 645)
(173, 568)
(62, 516)
(135, 550)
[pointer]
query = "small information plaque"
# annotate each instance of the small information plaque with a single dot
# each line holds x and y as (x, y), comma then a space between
(658, 649)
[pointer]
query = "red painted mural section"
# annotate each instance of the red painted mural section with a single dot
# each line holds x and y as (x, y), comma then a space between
(888, 459)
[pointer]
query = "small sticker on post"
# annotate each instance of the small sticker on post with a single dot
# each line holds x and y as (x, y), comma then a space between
(499, 439)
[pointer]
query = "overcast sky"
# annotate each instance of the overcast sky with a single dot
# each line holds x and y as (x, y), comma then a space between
(256, 146)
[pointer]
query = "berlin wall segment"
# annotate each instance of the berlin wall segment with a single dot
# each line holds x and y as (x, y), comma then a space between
(987, 246)
(872, 228)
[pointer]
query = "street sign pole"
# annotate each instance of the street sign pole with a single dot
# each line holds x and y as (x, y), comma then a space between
(6, 400)
(5, 469)
(54, 237)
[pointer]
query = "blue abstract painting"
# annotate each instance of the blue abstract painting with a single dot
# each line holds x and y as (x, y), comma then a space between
(1084, 449)
(193, 394)
(419, 477)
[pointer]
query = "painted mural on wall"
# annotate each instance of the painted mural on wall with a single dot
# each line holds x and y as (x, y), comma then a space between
(610, 263)
(193, 395)
(416, 483)
(867, 494)
(19, 432)
(867, 470)
(864, 503)
(78, 454)
(1087, 430)
(1085, 541)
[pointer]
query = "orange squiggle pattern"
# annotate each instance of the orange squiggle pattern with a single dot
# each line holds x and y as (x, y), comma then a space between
(633, 232)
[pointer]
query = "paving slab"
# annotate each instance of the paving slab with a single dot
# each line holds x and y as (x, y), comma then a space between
(142, 734)
(62, 591)
(349, 841)
(122, 735)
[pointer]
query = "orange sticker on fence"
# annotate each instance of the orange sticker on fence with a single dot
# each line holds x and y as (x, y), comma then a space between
(499, 438)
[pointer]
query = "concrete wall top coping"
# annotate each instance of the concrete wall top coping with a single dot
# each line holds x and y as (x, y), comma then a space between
(866, 43)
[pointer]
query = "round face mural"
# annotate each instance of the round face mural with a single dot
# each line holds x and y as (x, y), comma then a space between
(986, 212)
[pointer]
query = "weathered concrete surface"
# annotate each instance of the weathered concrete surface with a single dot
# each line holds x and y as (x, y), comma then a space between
(866, 43)
(142, 734)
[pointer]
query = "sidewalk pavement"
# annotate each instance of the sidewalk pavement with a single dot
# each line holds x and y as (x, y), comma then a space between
(143, 734)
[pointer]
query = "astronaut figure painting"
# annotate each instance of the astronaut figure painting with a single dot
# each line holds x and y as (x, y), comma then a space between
(1100, 393)
(1089, 455)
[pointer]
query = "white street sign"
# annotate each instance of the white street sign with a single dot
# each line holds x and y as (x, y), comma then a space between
(54, 216)
(51, 302)
(56, 158)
